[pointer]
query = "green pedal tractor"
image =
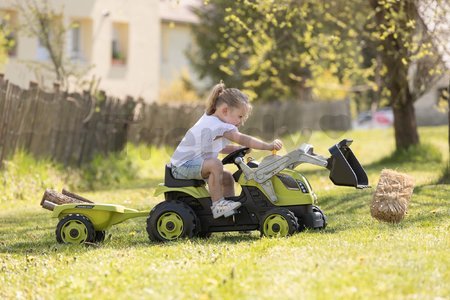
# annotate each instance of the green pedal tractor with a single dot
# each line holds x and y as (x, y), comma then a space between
(276, 199)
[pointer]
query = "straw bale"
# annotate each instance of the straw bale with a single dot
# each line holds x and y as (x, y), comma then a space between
(392, 196)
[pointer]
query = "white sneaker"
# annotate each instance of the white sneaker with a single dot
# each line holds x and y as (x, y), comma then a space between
(224, 208)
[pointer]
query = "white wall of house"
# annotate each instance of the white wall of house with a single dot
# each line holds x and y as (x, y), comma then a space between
(176, 40)
(136, 24)
(426, 107)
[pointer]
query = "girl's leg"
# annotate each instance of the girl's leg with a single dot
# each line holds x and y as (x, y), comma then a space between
(228, 184)
(212, 169)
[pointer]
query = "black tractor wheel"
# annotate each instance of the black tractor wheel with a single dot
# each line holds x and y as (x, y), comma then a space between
(171, 220)
(317, 210)
(75, 229)
(100, 236)
(278, 222)
(201, 233)
(204, 235)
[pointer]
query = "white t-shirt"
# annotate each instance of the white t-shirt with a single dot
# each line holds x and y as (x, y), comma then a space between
(204, 140)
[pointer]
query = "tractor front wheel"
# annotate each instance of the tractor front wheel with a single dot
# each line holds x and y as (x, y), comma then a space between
(278, 222)
(318, 212)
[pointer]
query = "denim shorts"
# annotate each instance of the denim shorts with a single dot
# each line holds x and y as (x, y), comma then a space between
(192, 169)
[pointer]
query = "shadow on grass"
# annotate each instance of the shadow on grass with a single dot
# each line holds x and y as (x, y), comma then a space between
(445, 177)
(428, 207)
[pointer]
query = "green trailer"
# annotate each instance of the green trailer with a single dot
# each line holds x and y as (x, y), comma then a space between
(84, 221)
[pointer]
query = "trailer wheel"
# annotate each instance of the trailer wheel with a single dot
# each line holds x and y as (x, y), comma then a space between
(75, 229)
(171, 220)
(278, 222)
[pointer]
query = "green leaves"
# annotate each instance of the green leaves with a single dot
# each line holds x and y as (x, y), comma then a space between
(275, 48)
(283, 49)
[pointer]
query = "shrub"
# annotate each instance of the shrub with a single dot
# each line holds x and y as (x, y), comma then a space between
(107, 170)
(25, 178)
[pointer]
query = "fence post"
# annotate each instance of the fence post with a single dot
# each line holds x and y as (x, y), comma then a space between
(88, 102)
(33, 97)
(448, 108)
(56, 87)
(3, 107)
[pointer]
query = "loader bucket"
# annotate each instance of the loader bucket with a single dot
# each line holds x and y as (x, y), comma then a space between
(344, 168)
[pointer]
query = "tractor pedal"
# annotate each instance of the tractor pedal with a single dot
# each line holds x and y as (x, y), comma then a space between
(230, 213)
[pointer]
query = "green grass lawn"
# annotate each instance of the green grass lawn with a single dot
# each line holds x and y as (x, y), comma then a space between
(355, 257)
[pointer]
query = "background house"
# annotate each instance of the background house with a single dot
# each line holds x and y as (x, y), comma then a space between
(176, 39)
(130, 48)
(428, 112)
(427, 107)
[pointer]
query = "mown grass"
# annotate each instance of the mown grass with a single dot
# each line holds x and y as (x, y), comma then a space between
(355, 257)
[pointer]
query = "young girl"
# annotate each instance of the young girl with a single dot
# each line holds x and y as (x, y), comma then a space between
(196, 155)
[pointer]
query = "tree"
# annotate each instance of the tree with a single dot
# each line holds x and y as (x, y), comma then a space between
(46, 23)
(275, 50)
(404, 43)
(446, 98)
(280, 48)
(3, 49)
(6, 41)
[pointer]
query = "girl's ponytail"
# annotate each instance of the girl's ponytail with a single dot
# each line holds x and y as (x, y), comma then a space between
(216, 91)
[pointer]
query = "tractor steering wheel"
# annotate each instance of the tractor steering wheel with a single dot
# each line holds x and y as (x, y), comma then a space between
(229, 159)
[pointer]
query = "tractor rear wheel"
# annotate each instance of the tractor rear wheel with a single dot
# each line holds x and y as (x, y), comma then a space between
(278, 222)
(75, 229)
(171, 220)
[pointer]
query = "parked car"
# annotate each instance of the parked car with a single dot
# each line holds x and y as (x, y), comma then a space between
(382, 118)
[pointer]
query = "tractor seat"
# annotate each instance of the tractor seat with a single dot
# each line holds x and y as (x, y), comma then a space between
(171, 181)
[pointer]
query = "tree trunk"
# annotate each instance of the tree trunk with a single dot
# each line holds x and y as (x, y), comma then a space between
(405, 126)
(395, 57)
(448, 108)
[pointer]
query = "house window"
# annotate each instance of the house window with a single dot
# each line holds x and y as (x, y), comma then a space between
(42, 51)
(75, 41)
(79, 40)
(443, 98)
(119, 45)
(442, 94)
(8, 26)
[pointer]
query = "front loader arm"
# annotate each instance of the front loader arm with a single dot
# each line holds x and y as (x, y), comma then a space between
(344, 167)
(273, 165)
(268, 168)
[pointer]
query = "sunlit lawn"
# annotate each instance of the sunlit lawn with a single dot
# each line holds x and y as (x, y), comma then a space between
(355, 257)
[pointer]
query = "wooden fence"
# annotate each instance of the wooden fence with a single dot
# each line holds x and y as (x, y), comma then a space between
(68, 128)
(167, 124)
(71, 128)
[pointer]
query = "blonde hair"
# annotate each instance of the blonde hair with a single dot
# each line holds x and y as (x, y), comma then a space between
(230, 96)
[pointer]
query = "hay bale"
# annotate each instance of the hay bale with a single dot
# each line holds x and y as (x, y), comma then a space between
(392, 195)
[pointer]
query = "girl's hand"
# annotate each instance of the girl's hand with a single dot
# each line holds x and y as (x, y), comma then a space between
(276, 145)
